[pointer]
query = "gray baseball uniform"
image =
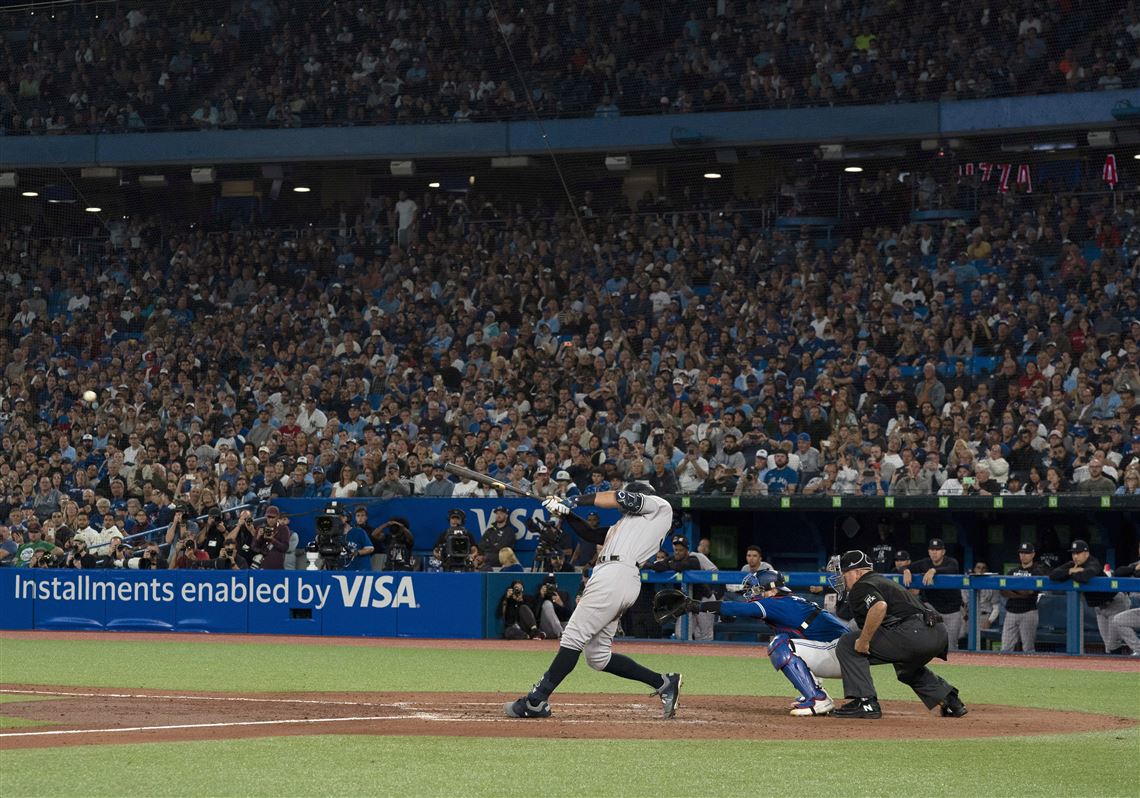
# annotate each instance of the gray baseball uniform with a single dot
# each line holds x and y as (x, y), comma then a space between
(613, 586)
(616, 580)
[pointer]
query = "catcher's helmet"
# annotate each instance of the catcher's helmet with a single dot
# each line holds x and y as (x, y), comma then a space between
(754, 585)
(643, 488)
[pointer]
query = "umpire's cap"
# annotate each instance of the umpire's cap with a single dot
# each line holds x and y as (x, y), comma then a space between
(854, 560)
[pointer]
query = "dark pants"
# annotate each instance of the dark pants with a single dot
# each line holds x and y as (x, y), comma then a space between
(908, 646)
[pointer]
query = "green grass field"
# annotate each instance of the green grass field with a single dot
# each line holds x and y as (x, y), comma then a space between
(1102, 764)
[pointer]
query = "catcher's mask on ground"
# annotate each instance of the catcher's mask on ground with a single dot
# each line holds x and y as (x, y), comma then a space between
(757, 584)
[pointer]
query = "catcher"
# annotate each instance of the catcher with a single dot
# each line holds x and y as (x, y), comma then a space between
(804, 646)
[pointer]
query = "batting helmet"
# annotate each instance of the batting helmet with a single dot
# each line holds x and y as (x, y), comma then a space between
(754, 585)
(640, 487)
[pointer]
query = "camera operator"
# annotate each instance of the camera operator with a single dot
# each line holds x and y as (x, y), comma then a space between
(243, 534)
(458, 544)
(181, 528)
(149, 559)
(43, 558)
(188, 555)
(271, 543)
(228, 558)
(359, 543)
(78, 556)
(120, 552)
(213, 534)
(35, 542)
(545, 553)
(518, 617)
(498, 536)
(395, 540)
(553, 608)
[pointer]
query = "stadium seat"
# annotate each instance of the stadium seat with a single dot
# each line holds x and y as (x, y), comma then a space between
(981, 365)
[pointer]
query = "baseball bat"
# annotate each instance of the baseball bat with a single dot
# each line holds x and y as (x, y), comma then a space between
(483, 479)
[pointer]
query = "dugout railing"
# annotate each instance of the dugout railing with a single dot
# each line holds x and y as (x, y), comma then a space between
(1074, 628)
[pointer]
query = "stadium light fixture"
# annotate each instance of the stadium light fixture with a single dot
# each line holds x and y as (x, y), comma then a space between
(93, 209)
(302, 189)
(712, 175)
(433, 184)
(29, 193)
(1137, 156)
(853, 169)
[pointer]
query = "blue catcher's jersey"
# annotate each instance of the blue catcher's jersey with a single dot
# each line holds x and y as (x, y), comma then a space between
(791, 615)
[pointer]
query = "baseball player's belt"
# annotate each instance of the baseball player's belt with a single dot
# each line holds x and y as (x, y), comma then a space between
(610, 558)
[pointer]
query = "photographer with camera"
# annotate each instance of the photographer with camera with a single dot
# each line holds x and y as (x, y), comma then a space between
(228, 559)
(518, 617)
(78, 555)
(271, 542)
(553, 608)
(181, 528)
(394, 539)
(213, 533)
(149, 559)
(457, 543)
(43, 558)
(34, 542)
(188, 555)
(120, 551)
(497, 536)
(243, 534)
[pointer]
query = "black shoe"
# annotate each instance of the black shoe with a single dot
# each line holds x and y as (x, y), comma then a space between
(858, 708)
(952, 706)
(670, 694)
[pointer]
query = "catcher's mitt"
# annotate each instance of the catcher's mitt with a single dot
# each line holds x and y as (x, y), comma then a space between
(669, 604)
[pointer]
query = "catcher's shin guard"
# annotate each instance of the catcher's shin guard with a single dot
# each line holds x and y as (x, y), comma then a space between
(784, 658)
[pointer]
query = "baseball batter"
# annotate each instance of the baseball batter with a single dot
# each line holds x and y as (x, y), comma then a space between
(805, 641)
(613, 586)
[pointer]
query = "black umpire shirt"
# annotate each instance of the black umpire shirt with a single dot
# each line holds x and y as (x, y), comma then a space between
(873, 588)
(945, 601)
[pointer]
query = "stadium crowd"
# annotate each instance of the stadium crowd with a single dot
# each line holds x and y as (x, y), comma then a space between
(264, 63)
(690, 349)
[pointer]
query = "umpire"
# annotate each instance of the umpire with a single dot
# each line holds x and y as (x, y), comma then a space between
(896, 629)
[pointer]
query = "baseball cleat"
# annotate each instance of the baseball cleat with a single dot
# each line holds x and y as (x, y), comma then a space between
(521, 708)
(670, 693)
(820, 705)
(952, 706)
(858, 708)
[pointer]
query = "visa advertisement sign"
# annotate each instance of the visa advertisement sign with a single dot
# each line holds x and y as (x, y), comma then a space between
(273, 602)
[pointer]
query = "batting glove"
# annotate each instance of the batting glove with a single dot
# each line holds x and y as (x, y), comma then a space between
(555, 506)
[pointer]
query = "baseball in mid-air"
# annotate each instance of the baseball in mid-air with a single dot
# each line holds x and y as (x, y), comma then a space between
(89, 396)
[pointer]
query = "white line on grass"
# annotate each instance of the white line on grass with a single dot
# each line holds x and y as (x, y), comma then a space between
(413, 711)
(245, 699)
(226, 724)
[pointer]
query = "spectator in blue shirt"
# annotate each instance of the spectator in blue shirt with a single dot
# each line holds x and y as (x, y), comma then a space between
(357, 536)
(598, 482)
(781, 479)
